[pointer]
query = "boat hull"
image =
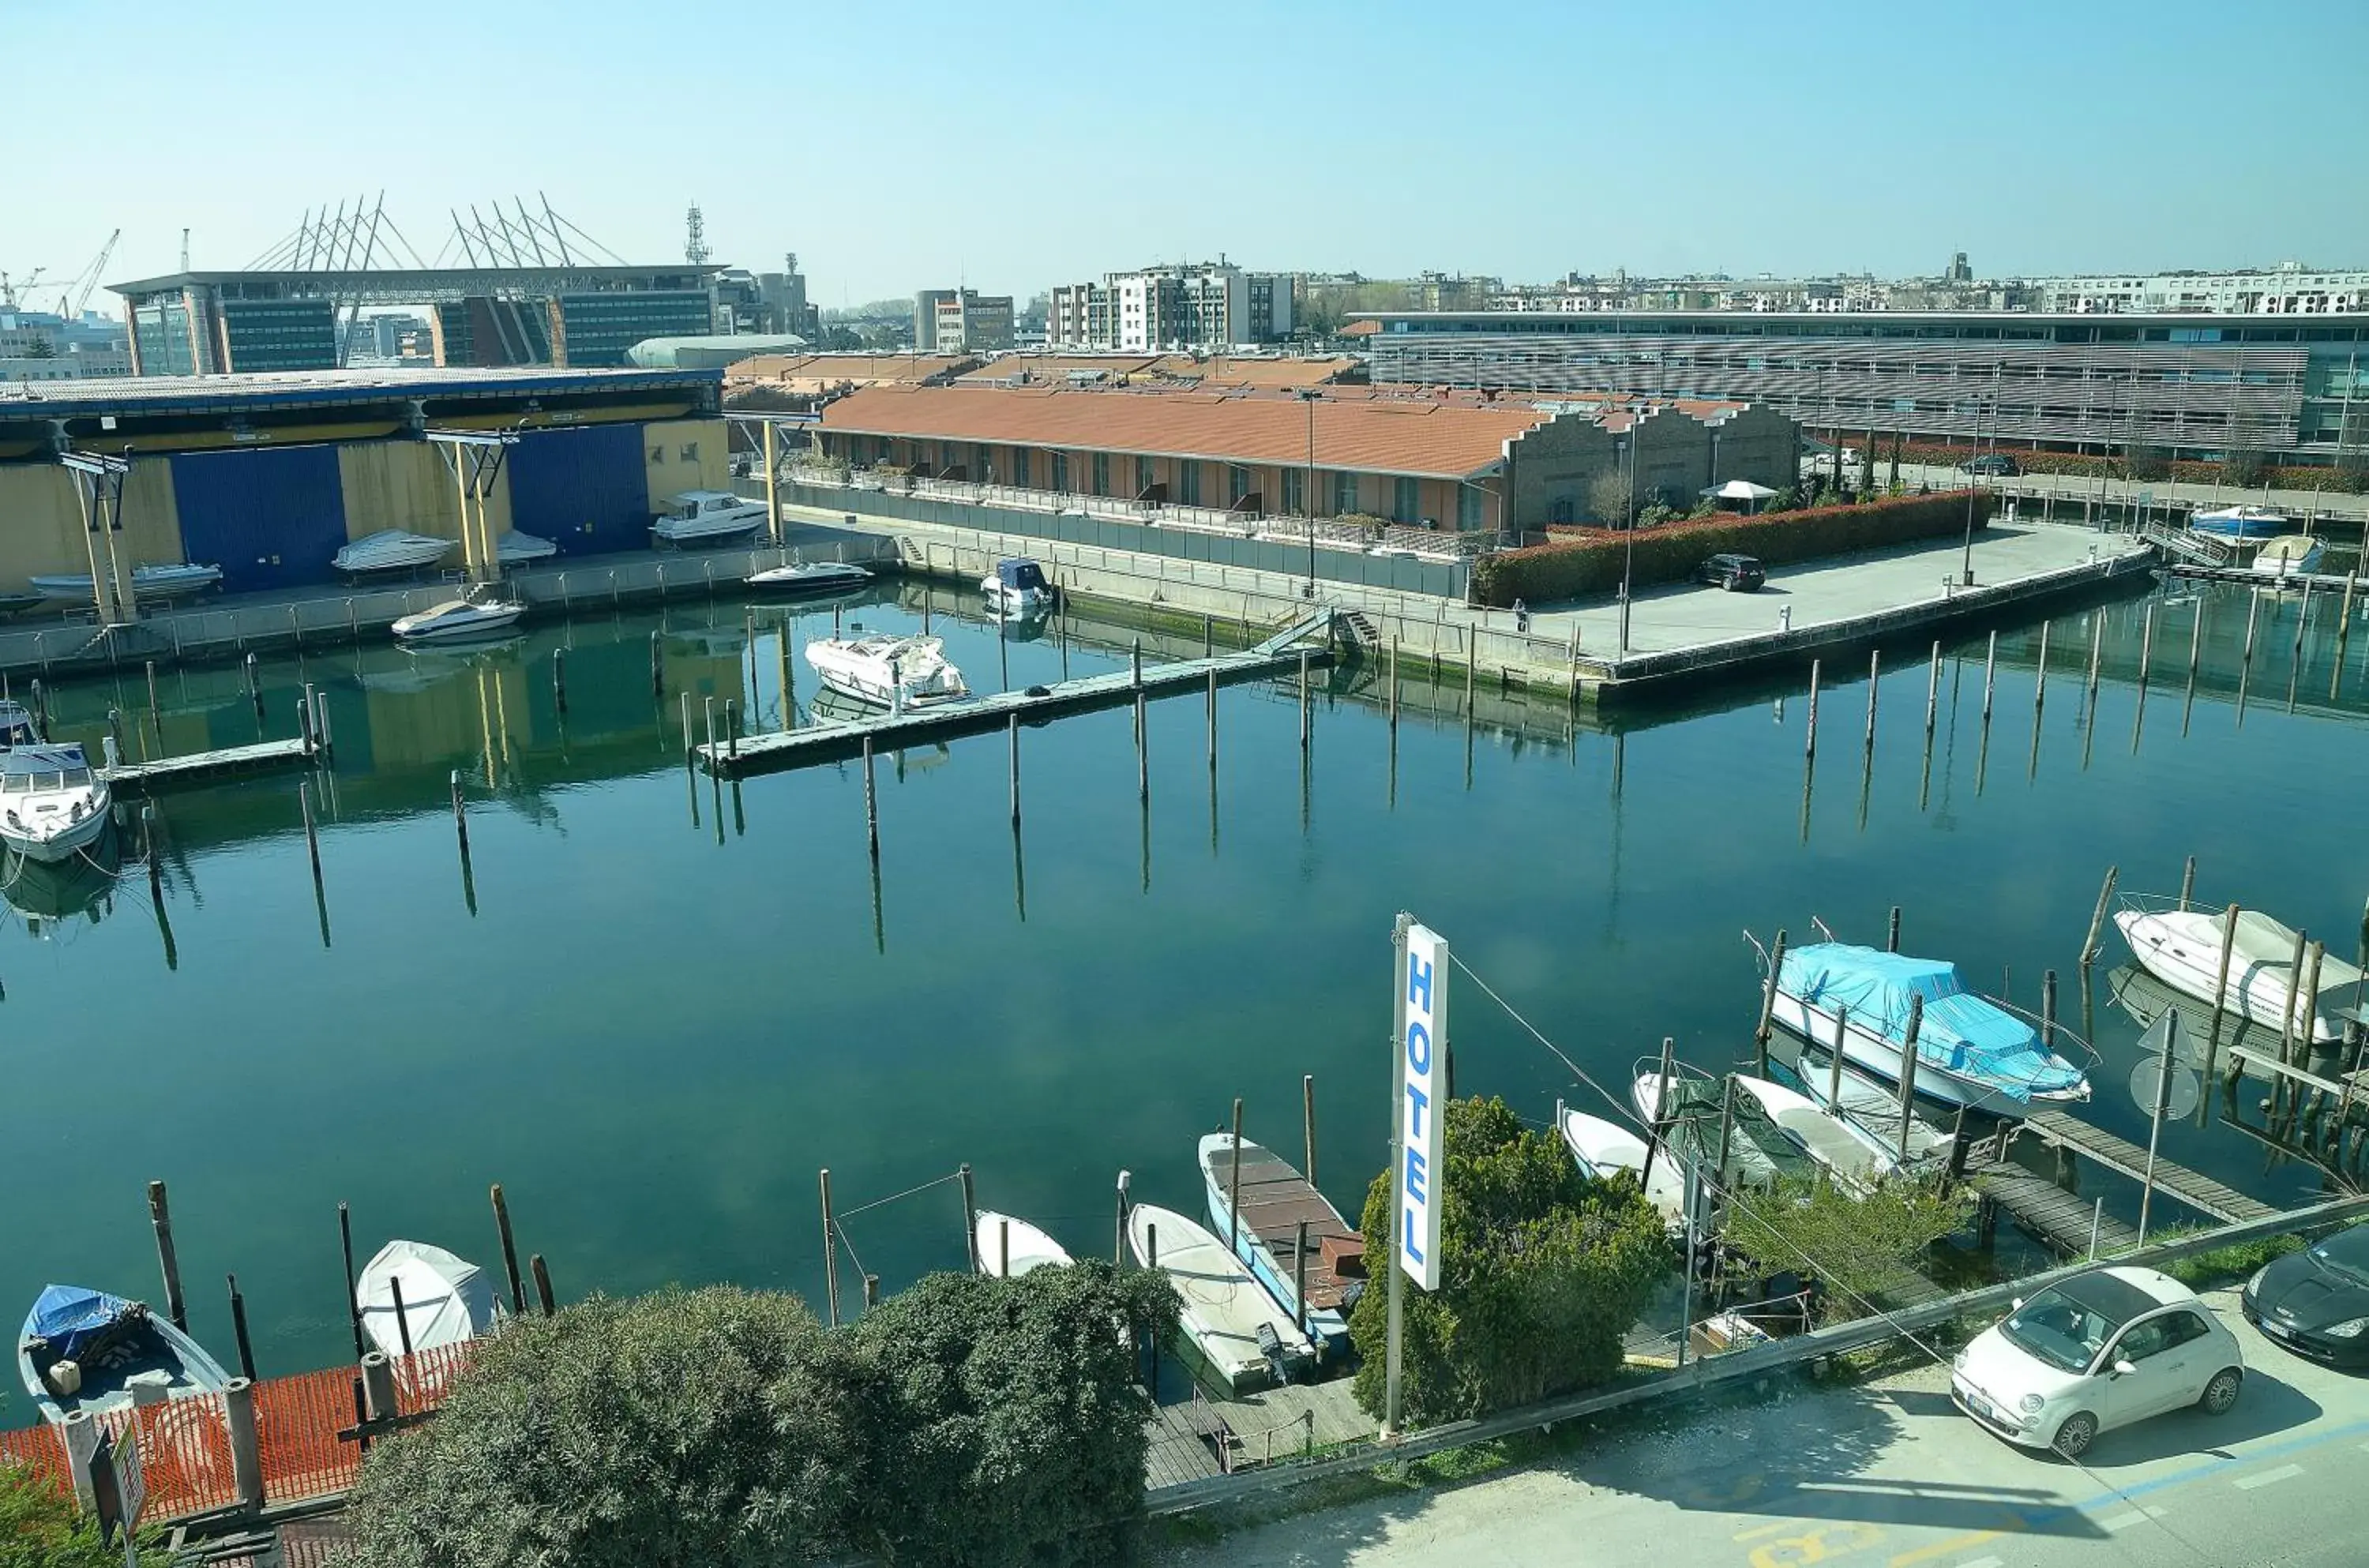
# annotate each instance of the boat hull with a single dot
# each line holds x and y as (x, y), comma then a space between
(194, 1370)
(50, 848)
(474, 627)
(706, 533)
(406, 555)
(1878, 1057)
(1221, 1303)
(1327, 1326)
(1004, 1239)
(833, 578)
(2260, 994)
(1604, 1150)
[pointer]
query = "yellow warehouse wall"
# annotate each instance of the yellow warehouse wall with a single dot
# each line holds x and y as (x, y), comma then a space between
(41, 531)
(408, 485)
(669, 473)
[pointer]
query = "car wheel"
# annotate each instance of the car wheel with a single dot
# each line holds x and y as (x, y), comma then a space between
(2222, 1392)
(2072, 1438)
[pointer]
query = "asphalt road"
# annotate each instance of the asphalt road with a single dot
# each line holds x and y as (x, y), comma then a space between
(1892, 1476)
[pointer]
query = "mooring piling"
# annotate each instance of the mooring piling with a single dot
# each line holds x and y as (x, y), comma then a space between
(686, 728)
(1810, 730)
(708, 706)
(1118, 1244)
(2221, 993)
(1908, 1070)
(2097, 651)
(2098, 916)
(2040, 675)
(1213, 720)
(1990, 674)
(829, 1253)
(559, 680)
(2147, 644)
(156, 707)
(2048, 1010)
(2253, 615)
(353, 1303)
(1308, 1124)
(1874, 668)
(658, 673)
(401, 1319)
(1142, 749)
(543, 1295)
(1303, 700)
(510, 1250)
(1933, 688)
(238, 1331)
(1234, 1184)
(1892, 931)
(970, 1213)
(160, 1219)
(312, 834)
(1767, 1005)
(1011, 728)
(871, 803)
(2188, 884)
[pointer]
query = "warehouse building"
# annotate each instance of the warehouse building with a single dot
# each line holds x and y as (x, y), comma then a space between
(1459, 463)
(268, 477)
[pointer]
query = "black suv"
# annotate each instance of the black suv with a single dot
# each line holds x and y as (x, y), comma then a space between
(1737, 574)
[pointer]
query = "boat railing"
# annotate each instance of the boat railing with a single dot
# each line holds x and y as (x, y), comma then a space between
(2153, 903)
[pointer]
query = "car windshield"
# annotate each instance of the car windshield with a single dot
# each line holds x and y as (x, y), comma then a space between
(2059, 1330)
(2347, 1262)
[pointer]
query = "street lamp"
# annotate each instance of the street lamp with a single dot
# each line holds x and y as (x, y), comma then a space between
(1974, 478)
(1308, 395)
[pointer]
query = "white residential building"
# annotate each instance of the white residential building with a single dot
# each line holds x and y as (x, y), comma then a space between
(1210, 305)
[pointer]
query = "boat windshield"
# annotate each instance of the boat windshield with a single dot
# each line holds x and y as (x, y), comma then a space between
(35, 783)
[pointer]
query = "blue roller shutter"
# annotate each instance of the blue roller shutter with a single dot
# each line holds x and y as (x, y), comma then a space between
(270, 517)
(585, 490)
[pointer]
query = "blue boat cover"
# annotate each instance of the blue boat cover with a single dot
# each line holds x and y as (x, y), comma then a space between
(1960, 1032)
(1020, 574)
(70, 1317)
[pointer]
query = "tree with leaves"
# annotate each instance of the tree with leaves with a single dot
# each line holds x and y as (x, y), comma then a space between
(40, 1528)
(1858, 1247)
(1542, 1271)
(2243, 466)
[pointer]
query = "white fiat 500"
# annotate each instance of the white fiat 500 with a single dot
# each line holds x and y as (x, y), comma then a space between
(2099, 1350)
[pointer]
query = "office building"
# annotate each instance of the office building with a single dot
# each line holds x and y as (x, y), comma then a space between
(1211, 305)
(961, 321)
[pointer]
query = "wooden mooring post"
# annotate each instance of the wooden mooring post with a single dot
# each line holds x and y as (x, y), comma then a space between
(2253, 615)
(1892, 931)
(1768, 1010)
(829, 1253)
(658, 678)
(353, 1303)
(1908, 1071)
(155, 709)
(238, 1331)
(1810, 730)
(2098, 917)
(1874, 668)
(1303, 700)
(160, 1219)
(1990, 674)
(2220, 997)
(510, 1250)
(543, 1295)
(1307, 1124)
(2188, 884)
(1213, 721)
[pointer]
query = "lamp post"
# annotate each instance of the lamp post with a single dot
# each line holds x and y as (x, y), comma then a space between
(1974, 479)
(1628, 533)
(1308, 395)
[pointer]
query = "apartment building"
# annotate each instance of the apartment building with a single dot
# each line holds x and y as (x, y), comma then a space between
(1208, 306)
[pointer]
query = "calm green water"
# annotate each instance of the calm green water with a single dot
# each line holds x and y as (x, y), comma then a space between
(671, 1007)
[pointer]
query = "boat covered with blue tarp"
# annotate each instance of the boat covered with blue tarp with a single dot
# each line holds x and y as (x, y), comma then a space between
(84, 1349)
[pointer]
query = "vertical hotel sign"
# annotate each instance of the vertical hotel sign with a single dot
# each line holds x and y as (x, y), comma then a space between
(1423, 1036)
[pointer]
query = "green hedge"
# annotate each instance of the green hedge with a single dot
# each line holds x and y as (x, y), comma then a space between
(1591, 561)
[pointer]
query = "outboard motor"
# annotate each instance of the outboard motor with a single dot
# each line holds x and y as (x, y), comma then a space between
(1271, 1347)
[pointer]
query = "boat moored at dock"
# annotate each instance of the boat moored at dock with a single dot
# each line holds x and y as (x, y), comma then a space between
(1009, 1247)
(16, 725)
(85, 1350)
(446, 1299)
(486, 610)
(2242, 525)
(2183, 948)
(1242, 1335)
(1017, 587)
(2289, 555)
(1605, 1148)
(1266, 1233)
(810, 577)
(1696, 1119)
(53, 803)
(888, 671)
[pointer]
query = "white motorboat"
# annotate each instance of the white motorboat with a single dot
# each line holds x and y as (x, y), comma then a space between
(1857, 1161)
(2290, 555)
(1604, 1149)
(160, 582)
(809, 576)
(1009, 1247)
(1280, 1208)
(1017, 587)
(887, 671)
(1970, 1051)
(391, 550)
(2238, 524)
(1871, 1110)
(446, 1299)
(702, 516)
(2182, 948)
(53, 803)
(483, 612)
(516, 549)
(1227, 1314)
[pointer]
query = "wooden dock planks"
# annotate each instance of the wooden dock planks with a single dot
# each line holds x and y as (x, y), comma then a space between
(2201, 1193)
(195, 768)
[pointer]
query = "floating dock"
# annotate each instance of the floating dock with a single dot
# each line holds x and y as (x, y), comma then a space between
(196, 767)
(784, 749)
(2317, 582)
(2124, 1158)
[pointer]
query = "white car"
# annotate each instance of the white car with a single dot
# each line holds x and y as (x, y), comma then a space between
(2099, 1350)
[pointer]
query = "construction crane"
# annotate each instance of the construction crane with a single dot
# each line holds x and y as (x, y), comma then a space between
(11, 286)
(78, 292)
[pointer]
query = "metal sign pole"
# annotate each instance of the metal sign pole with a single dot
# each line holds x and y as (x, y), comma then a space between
(1398, 1114)
(2166, 1039)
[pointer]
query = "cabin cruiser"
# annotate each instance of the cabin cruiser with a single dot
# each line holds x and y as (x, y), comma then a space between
(485, 611)
(1017, 587)
(85, 1350)
(147, 582)
(516, 549)
(52, 802)
(809, 576)
(391, 550)
(698, 517)
(2290, 555)
(888, 671)
(2255, 979)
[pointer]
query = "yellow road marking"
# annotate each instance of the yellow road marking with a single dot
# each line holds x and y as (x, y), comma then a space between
(1943, 1547)
(1769, 1529)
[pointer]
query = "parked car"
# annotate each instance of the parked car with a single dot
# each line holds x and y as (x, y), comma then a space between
(2097, 1351)
(1996, 463)
(2315, 1302)
(1737, 574)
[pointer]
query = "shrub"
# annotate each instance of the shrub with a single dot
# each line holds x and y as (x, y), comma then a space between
(1589, 560)
(2244, 467)
(1862, 1246)
(40, 1529)
(2141, 461)
(1542, 1270)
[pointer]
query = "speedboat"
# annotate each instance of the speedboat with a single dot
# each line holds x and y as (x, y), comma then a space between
(702, 517)
(1009, 1247)
(1242, 1335)
(809, 576)
(2182, 948)
(86, 1350)
(483, 612)
(1017, 587)
(516, 549)
(1265, 1234)
(1971, 1051)
(17, 727)
(887, 671)
(147, 582)
(1604, 1150)
(1693, 1112)
(2290, 555)
(53, 803)
(391, 550)
(1857, 1159)
(2238, 524)
(446, 1299)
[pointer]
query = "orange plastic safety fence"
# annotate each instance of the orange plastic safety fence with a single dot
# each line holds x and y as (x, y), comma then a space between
(296, 1424)
(41, 1450)
(184, 1456)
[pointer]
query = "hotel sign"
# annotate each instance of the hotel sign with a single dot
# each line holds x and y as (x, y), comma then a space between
(1423, 1037)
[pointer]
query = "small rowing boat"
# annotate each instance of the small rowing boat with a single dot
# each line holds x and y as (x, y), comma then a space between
(1240, 1333)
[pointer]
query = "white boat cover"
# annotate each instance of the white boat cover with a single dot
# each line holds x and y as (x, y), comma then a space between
(1830, 1143)
(446, 1299)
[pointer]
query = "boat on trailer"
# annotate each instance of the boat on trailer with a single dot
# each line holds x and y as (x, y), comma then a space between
(391, 550)
(1242, 1335)
(177, 580)
(84, 1349)
(1971, 1050)
(706, 516)
(2183, 948)
(1266, 1233)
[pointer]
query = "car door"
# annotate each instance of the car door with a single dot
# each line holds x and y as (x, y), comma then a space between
(2188, 1356)
(2150, 1385)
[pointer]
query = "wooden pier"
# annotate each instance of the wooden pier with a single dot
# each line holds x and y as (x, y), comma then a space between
(2319, 582)
(784, 749)
(2064, 1220)
(196, 767)
(1198, 1437)
(2200, 1193)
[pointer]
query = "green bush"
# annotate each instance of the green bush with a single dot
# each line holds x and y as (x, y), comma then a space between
(1542, 1270)
(40, 1527)
(1862, 1246)
(971, 1421)
(1589, 560)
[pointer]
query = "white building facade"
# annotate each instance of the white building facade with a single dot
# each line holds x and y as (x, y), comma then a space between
(1155, 309)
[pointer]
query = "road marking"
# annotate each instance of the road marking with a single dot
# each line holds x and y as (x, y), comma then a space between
(2135, 1517)
(1943, 1549)
(1781, 1525)
(1983, 1562)
(2268, 1477)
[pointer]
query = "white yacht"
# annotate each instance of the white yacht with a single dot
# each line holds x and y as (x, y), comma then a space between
(516, 549)
(52, 802)
(2289, 555)
(2183, 949)
(483, 611)
(809, 576)
(153, 583)
(700, 517)
(888, 671)
(391, 550)
(1017, 587)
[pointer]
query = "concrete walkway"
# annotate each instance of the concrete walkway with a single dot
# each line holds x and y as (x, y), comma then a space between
(1890, 1476)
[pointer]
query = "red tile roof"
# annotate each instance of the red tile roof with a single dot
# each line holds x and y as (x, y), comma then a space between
(1424, 438)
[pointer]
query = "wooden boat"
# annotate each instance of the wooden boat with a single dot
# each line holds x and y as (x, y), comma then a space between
(1227, 1317)
(2182, 948)
(446, 1299)
(1009, 1247)
(1275, 1201)
(1604, 1149)
(82, 1349)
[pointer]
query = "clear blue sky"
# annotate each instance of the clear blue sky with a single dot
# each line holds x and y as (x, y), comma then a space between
(901, 146)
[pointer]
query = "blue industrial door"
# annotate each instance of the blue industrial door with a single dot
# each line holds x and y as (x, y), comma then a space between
(270, 517)
(585, 490)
